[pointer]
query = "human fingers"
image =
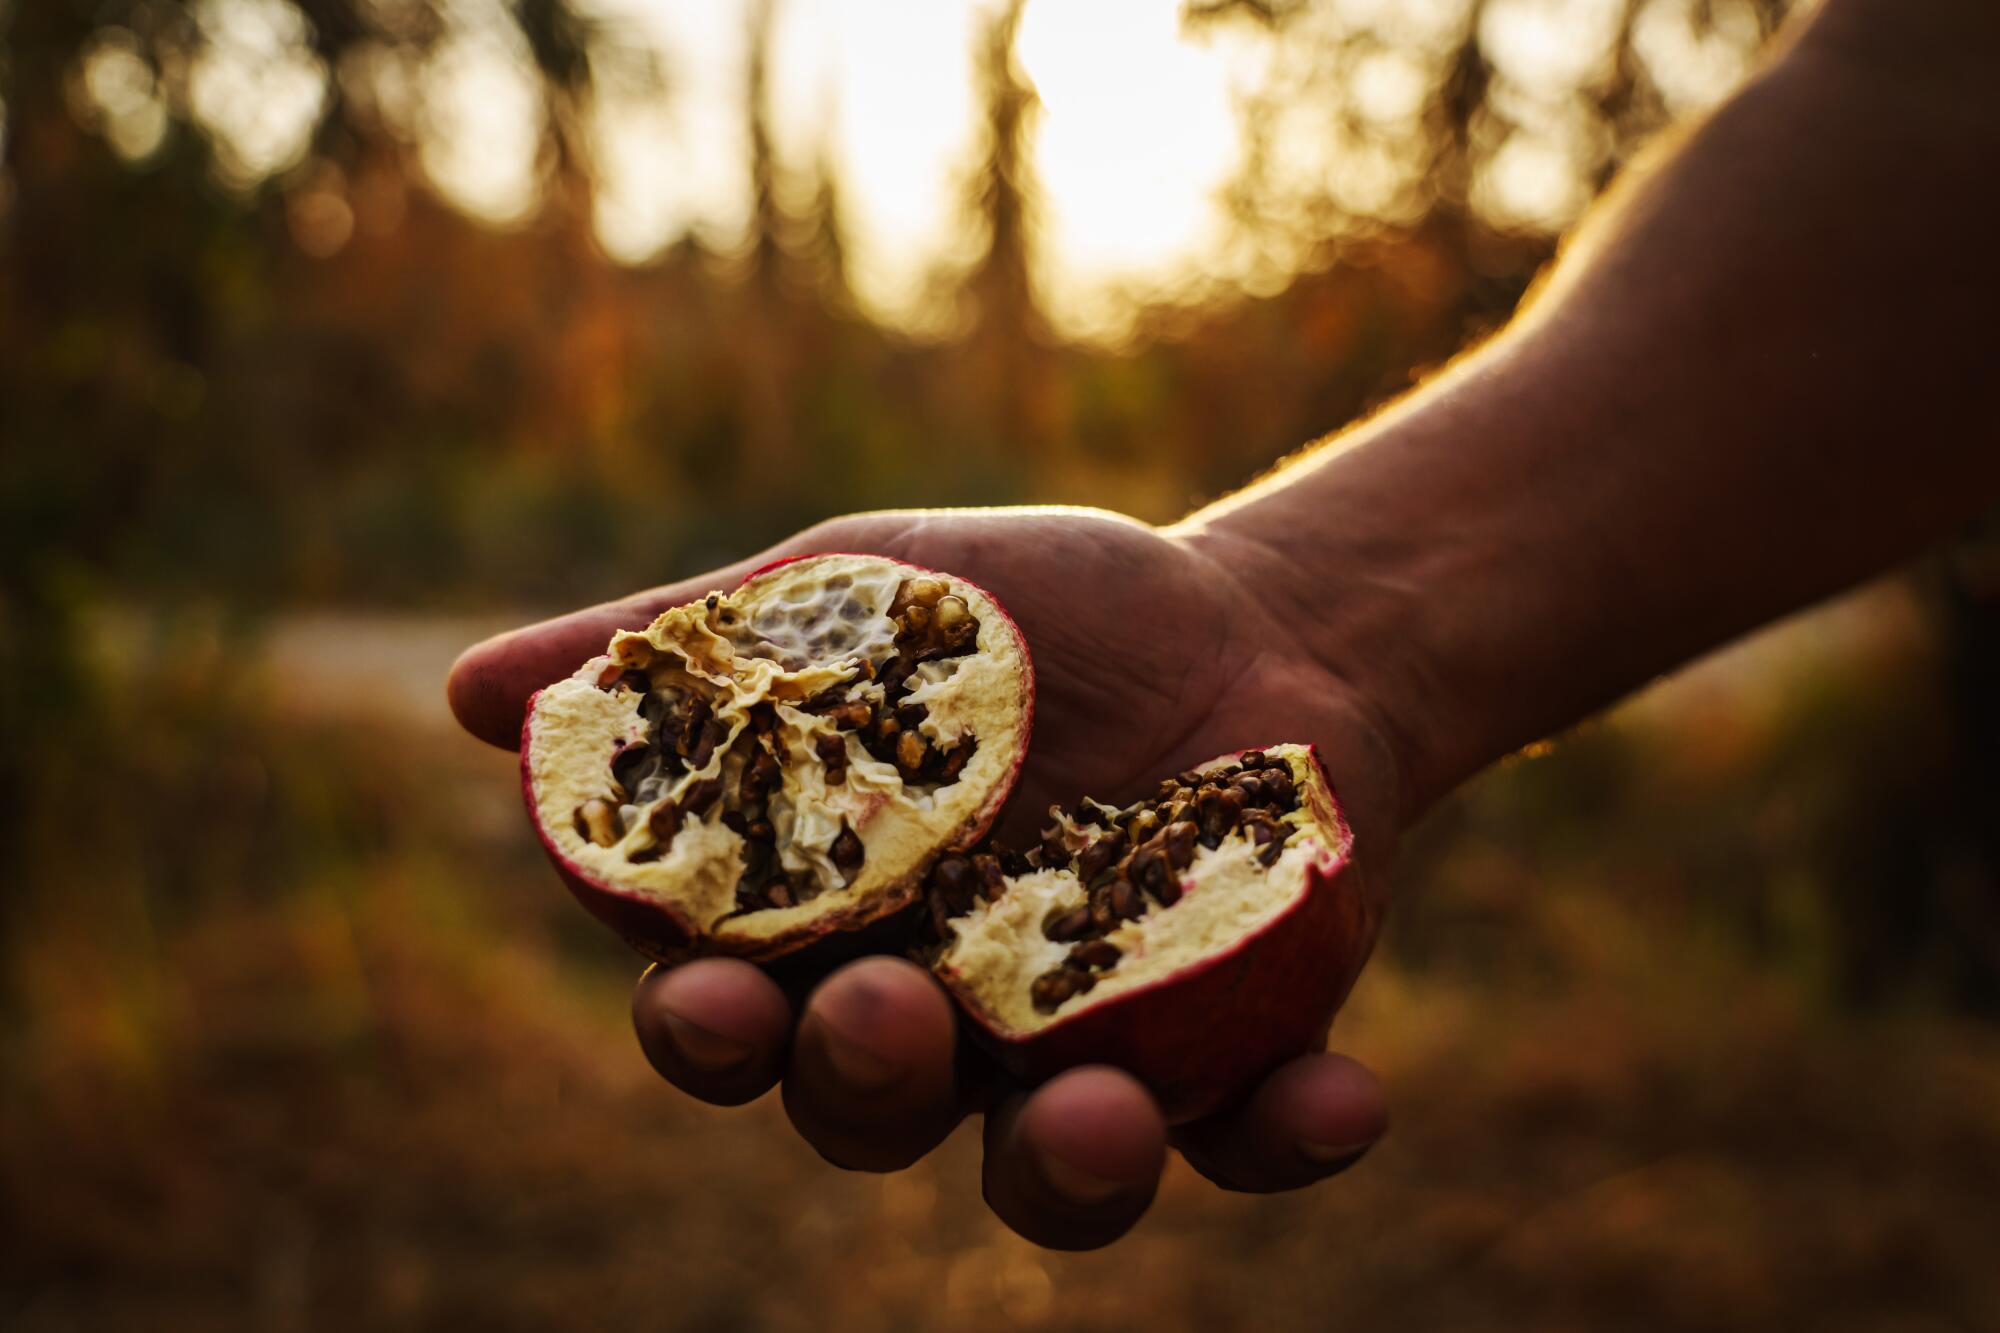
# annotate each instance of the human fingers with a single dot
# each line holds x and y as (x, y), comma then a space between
(875, 1080)
(1310, 1119)
(1074, 1164)
(716, 1028)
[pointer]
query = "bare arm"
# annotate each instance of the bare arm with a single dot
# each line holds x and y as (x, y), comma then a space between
(1762, 370)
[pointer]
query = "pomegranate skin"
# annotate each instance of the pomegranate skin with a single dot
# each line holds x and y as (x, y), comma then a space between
(656, 930)
(1204, 1035)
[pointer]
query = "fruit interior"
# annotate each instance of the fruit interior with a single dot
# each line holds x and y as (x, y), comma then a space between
(1114, 899)
(761, 757)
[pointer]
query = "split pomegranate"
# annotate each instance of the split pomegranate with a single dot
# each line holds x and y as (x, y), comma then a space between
(763, 769)
(825, 747)
(1197, 938)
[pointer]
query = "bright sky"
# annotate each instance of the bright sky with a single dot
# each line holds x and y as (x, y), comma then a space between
(1134, 138)
(1137, 134)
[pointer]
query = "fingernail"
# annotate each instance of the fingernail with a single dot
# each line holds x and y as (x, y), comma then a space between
(1076, 1185)
(705, 1050)
(1327, 1153)
(860, 1068)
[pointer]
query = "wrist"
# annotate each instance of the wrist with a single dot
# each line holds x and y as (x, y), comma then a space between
(1403, 569)
(1337, 630)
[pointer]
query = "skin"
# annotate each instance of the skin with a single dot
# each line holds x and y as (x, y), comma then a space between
(1757, 375)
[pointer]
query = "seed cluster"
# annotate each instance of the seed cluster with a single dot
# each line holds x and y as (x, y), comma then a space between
(1131, 859)
(753, 759)
(684, 735)
(957, 880)
(931, 623)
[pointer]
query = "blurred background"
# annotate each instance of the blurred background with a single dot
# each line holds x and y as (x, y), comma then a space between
(336, 333)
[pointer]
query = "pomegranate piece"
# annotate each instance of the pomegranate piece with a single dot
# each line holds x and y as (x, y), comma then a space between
(764, 769)
(1197, 938)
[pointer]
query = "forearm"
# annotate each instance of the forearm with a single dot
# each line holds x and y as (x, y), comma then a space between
(1760, 373)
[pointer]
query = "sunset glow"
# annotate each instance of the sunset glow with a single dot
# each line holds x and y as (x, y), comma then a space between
(1136, 135)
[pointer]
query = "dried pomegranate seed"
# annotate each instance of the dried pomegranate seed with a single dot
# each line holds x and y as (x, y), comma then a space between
(846, 850)
(1066, 926)
(1095, 953)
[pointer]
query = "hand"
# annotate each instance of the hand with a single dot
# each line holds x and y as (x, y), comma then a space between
(1153, 651)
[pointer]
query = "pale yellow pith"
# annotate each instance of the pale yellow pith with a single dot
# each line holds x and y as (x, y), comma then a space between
(787, 617)
(998, 949)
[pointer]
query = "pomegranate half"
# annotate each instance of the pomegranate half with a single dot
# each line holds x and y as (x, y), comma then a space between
(1197, 938)
(763, 769)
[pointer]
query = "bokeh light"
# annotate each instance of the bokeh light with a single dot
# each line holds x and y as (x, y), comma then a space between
(1133, 146)
(255, 86)
(1696, 64)
(118, 93)
(672, 144)
(481, 118)
(879, 94)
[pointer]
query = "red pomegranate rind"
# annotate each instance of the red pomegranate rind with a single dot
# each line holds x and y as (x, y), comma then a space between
(1204, 1033)
(901, 818)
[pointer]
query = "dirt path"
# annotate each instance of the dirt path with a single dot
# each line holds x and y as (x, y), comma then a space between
(381, 665)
